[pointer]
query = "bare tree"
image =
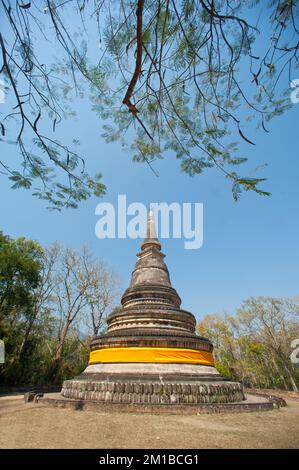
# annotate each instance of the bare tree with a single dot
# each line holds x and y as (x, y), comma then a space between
(101, 293)
(80, 289)
(254, 346)
(43, 293)
(272, 322)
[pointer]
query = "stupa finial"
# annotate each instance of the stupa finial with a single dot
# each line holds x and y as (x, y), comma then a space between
(151, 232)
(151, 226)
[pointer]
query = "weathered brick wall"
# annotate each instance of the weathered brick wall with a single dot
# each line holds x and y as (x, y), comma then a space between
(156, 392)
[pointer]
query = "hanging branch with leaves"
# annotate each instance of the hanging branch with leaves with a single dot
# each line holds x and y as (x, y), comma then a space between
(189, 78)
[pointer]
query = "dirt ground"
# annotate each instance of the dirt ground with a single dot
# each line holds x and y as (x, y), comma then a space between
(37, 426)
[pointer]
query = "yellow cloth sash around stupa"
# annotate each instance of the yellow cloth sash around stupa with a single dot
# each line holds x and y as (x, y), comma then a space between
(154, 355)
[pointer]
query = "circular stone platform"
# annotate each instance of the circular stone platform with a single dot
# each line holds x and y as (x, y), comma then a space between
(250, 404)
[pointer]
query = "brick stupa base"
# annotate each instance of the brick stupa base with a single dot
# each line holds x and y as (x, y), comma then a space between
(152, 384)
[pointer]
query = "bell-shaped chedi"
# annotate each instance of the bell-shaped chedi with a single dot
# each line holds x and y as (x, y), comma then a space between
(151, 353)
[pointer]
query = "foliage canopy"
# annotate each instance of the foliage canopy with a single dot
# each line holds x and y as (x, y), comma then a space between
(185, 77)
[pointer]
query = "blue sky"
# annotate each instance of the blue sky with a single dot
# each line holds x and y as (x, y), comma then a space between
(250, 247)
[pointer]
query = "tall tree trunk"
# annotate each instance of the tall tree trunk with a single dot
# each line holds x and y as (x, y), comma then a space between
(27, 333)
(280, 374)
(56, 361)
(62, 338)
(291, 378)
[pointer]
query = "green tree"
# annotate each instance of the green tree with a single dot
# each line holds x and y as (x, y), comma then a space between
(20, 274)
(274, 325)
(254, 346)
(222, 332)
(185, 76)
(20, 266)
(48, 297)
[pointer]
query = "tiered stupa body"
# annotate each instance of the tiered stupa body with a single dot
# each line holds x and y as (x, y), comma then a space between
(151, 353)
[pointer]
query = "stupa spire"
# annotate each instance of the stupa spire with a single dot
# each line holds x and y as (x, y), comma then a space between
(151, 226)
(151, 232)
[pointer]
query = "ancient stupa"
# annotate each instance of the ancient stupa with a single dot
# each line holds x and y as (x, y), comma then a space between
(151, 353)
